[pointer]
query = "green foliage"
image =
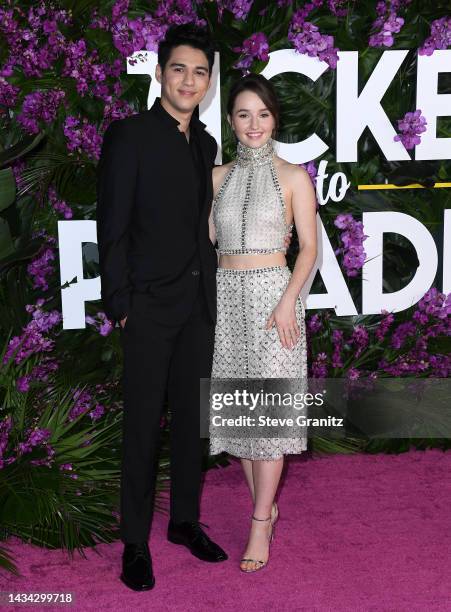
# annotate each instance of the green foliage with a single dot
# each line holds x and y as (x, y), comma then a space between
(73, 502)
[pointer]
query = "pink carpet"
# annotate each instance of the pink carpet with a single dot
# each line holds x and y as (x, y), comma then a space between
(356, 533)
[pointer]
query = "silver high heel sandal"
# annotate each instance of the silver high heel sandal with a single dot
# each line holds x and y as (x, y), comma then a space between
(261, 564)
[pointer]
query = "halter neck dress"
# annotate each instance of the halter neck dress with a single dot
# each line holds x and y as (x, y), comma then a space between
(250, 218)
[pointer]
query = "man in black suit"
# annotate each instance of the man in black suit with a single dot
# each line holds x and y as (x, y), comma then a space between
(158, 269)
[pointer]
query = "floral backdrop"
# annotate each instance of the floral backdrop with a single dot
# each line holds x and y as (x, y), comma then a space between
(63, 79)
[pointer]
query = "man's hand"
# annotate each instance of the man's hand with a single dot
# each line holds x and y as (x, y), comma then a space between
(287, 239)
(122, 322)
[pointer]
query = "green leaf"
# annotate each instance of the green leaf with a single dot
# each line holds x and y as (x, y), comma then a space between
(22, 510)
(20, 149)
(6, 561)
(7, 188)
(6, 243)
(15, 257)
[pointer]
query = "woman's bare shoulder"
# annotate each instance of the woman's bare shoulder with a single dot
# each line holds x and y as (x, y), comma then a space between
(222, 170)
(219, 174)
(294, 171)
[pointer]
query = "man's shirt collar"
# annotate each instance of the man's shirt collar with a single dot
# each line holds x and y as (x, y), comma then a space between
(170, 120)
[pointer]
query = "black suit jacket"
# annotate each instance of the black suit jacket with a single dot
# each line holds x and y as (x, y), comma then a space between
(152, 238)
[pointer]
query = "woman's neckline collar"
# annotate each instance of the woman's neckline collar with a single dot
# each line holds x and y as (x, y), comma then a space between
(254, 156)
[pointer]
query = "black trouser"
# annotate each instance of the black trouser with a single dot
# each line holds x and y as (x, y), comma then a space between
(156, 358)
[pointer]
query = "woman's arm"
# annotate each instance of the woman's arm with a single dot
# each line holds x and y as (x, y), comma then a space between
(211, 228)
(304, 211)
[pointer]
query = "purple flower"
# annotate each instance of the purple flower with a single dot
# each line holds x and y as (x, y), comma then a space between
(5, 428)
(301, 14)
(106, 327)
(117, 109)
(120, 7)
(33, 39)
(100, 22)
(319, 366)
(18, 166)
(436, 304)
(353, 374)
(23, 384)
(440, 37)
(81, 405)
(40, 372)
(48, 461)
(35, 438)
(82, 138)
(239, 8)
(40, 267)
(101, 323)
(384, 325)
(401, 333)
(314, 324)
(313, 172)
(352, 239)
(359, 338)
(59, 205)
(39, 107)
(254, 47)
(306, 37)
(411, 126)
(335, 7)
(343, 220)
(440, 365)
(32, 340)
(337, 341)
(417, 361)
(147, 32)
(311, 169)
(433, 313)
(309, 40)
(97, 412)
(83, 65)
(387, 22)
(8, 93)
(177, 12)
(384, 38)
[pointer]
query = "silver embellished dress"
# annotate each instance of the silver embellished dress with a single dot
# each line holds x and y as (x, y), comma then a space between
(250, 218)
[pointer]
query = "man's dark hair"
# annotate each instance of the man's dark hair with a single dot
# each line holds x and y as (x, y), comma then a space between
(186, 34)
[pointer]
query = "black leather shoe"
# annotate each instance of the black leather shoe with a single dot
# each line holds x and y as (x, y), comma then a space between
(191, 535)
(137, 572)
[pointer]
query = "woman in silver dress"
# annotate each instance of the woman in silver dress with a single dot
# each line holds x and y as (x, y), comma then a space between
(260, 331)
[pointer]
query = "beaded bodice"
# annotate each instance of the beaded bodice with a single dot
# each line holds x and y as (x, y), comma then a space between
(249, 209)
